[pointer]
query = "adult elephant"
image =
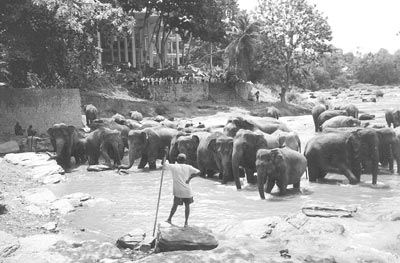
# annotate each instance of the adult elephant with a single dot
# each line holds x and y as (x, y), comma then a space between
(67, 142)
(316, 111)
(350, 109)
(388, 148)
(282, 166)
(245, 146)
(273, 112)
(112, 125)
(106, 143)
(219, 148)
(341, 121)
(288, 139)
(329, 114)
(148, 144)
(188, 145)
(392, 117)
(264, 124)
(343, 151)
(91, 113)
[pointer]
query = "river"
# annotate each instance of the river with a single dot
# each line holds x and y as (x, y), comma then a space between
(123, 202)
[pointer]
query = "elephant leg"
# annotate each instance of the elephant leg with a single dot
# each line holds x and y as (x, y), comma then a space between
(210, 173)
(349, 174)
(269, 185)
(143, 162)
(251, 179)
(282, 184)
(296, 185)
(313, 173)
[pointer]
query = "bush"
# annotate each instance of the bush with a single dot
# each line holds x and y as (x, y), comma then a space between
(293, 97)
(161, 109)
(379, 93)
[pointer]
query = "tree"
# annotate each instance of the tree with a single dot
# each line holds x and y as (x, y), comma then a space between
(53, 42)
(293, 34)
(243, 35)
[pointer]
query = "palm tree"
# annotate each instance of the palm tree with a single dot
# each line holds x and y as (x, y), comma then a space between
(244, 34)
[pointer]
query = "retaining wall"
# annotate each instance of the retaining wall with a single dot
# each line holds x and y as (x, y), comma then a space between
(39, 108)
(179, 92)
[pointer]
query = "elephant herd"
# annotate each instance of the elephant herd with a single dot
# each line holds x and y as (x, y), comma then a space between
(245, 145)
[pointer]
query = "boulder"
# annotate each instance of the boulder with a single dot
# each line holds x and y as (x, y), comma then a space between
(135, 115)
(9, 147)
(39, 196)
(131, 240)
(366, 116)
(173, 238)
(8, 244)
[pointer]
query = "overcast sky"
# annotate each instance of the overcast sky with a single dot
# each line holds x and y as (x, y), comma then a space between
(358, 25)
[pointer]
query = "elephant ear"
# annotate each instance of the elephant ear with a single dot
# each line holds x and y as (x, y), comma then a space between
(144, 137)
(196, 139)
(212, 145)
(50, 132)
(278, 160)
(282, 140)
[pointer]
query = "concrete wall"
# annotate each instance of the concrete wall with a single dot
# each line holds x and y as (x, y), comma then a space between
(39, 108)
(179, 92)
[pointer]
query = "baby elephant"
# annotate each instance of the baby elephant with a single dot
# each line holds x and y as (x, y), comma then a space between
(282, 166)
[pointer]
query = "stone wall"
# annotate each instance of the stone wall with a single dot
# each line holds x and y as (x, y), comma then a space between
(179, 92)
(39, 108)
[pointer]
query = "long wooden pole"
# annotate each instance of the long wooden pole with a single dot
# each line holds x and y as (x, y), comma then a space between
(159, 192)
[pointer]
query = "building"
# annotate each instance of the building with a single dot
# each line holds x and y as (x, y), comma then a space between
(135, 48)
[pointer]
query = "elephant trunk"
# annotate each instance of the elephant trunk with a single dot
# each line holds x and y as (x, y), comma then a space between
(236, 170)
(133, 155)
(261, 180)
(227, 170)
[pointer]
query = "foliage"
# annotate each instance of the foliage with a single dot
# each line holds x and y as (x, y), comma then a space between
(192, 19)
(243, 37)
(381, 68)
(293, 34)
(53, 42)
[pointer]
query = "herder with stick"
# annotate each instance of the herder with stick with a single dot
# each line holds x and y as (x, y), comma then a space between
(181, 175)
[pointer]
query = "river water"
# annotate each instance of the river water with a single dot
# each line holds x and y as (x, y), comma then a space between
(123, 202)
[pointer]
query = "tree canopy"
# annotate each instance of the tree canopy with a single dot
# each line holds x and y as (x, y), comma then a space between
(293, 34)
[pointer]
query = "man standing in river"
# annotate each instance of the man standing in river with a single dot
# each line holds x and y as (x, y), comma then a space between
(181, 175)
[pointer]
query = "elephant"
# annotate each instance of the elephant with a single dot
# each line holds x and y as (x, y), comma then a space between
(107, 143)
(329, 114)
(148, 144)
(91, 113)
(264, 124)
(316, 111)
(245, 146)
(118, 118)
(67, 142)
(282, 166)
(217, 150)
(341, 121)
(388, 148)
(288, 139)
(393, 116)
(273, 112)
(343, 151)
(350, 109)
(188, 145)
(135, 115)
(110, 124)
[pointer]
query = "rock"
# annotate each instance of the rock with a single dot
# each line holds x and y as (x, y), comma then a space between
(3, 209)
(173, 238)
(79, 196)
(53, 179)
(9, 147)
(316, 259)
(366, 116)
(50, 226)
(63, 206)
(98, 168)
(36, 210)
(159, 118)
(39, 196)
(8, 244)
(131, 240)
(328, 210)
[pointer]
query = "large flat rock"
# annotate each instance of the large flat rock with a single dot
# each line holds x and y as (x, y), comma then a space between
(173, 238)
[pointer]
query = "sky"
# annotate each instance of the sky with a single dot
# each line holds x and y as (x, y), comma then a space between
(358, 25)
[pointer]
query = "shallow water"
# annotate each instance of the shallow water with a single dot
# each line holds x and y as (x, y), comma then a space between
(129, 201)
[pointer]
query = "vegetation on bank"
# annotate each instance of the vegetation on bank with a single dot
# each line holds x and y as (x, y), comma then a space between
(282, 43)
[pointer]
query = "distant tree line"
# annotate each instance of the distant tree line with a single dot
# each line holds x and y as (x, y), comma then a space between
(285, 43)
